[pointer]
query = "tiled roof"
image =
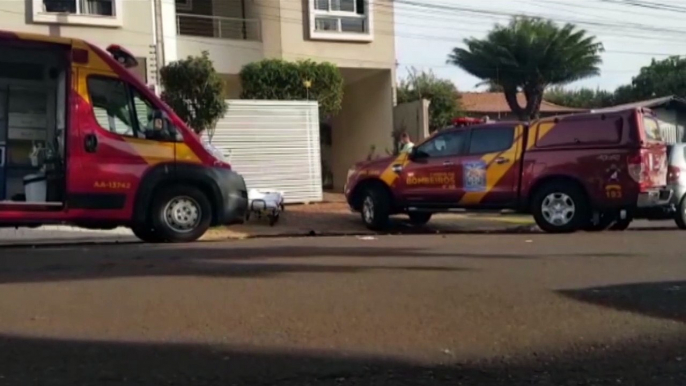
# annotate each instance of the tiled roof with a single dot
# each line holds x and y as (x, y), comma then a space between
(494, 102)
(650, 103)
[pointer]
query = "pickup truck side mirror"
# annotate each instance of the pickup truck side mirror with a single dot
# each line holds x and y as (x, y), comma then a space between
(417, 155)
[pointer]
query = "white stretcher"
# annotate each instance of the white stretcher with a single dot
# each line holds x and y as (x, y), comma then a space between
(265, 203)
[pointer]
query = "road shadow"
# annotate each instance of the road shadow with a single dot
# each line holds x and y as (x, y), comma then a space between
(207, 260)
(218, 260)
(665, 300)
(47, 362)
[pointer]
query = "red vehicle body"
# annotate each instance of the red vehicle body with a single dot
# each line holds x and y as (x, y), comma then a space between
(466, 121)
(587, 171)
(116, 154)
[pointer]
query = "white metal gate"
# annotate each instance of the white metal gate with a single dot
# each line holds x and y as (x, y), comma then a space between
(274, 145)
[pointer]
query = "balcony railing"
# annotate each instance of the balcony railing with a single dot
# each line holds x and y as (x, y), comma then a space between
(218, 27)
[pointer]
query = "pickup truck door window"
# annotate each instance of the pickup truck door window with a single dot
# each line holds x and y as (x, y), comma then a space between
(491, 166)
(432, 175)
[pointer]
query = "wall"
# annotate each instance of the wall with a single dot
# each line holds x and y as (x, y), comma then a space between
(365, 120)
(672, 132)
(136, 34)
(412, 118)
(292, 16)
(229, 56)
(274, 145)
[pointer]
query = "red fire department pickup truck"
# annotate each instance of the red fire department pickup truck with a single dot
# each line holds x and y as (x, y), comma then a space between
(586, 171)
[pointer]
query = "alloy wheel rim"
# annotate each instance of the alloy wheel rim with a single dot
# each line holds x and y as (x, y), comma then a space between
(368, 210)
(558, 209)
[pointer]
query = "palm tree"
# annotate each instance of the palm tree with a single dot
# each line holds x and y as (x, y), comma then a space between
(528, 55)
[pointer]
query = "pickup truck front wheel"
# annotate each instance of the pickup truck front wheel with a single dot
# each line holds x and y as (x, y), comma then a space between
(560, 208)
(375, 208)
(419, 219)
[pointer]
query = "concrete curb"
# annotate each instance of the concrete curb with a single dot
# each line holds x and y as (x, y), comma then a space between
(71, 242)
(56, 243)
(521, 229)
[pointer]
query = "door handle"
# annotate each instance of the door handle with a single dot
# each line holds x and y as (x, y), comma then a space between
(90, 143)
(448, 163)
(502, 160)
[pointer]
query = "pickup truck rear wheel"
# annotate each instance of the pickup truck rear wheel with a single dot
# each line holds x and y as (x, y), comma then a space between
(419, 218)
(680, 215)
(560, 208)
(375, 208)
(621, 225)
(181, 214)
(603, 222)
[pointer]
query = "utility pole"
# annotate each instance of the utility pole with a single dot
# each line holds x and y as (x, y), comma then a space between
(159, 39)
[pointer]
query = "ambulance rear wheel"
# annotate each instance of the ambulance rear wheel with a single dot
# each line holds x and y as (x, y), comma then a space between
(146, 233)
(181, 214)
(375, 208)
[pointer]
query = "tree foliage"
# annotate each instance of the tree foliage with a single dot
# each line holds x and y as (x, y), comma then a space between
(528, 55)
(583, 98)
(442, 94)
(661, 78)
(194, 90)
(275, 79)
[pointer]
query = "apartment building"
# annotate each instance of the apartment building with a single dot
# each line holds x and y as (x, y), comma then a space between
(102, 22)
(355, 35)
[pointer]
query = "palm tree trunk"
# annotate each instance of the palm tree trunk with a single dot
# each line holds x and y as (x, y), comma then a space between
(511, 98)
(534, 98)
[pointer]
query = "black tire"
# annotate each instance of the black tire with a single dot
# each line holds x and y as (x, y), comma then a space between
(146, 233)
(420, 218)
(621, 225)
(188, 220)
(568, 193)
(376, 208)
(680, 215)
(604, 222)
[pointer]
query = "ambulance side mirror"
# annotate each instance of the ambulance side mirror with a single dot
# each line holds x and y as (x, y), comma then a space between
(162, 128)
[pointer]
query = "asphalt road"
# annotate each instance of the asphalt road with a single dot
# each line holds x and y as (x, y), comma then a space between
(583, 309)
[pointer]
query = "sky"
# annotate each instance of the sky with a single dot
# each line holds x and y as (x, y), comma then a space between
(428, 30)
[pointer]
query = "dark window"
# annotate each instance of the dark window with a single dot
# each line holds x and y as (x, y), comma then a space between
(586, 131)
(143, 111)
(60, 6)
(83, 7)
(23, 71)
(111, 103)
(652, 129)
(361, 7)
(445, 145)
(491, 140)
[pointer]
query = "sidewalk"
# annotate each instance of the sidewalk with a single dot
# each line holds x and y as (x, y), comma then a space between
(321, 219)
(335, 218)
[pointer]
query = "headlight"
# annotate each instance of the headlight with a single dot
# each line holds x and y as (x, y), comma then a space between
(216, 153)
(351, 171)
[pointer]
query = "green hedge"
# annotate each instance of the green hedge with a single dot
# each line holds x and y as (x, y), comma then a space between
(275, 79)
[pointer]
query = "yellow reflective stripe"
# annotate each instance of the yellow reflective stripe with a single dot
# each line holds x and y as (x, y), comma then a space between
(494, 171)
(389, 176)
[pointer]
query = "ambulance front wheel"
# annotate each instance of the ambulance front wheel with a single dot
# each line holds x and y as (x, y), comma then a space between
(146, 233)
(181, 214)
